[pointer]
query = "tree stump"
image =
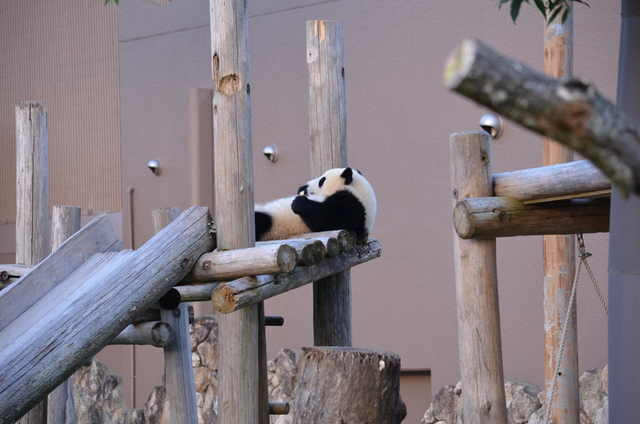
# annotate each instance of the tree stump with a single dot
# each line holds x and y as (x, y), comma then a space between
(348, 385)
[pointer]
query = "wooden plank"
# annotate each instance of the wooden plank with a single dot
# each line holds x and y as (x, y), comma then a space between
(237, 294)
(80, 315)
(328, 134)
(558, 253)
(574, 179)
(479, 340)
(242, 365)
(481, 217)
(65, 222)
(98, 236)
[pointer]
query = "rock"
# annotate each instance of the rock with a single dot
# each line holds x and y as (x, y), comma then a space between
(526, 402)
(522, 401)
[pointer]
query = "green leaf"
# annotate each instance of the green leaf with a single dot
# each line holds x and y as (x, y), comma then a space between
(515, 9)
(541, 7)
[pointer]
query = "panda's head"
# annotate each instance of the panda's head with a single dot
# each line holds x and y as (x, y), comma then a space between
(348, 179)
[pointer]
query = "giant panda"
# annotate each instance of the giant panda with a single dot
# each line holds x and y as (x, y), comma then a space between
(340, 199)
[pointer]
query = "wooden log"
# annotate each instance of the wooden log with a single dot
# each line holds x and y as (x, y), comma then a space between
(270, 258)
(91, 306)
(153, 314)
(554, 182)
(237, 294)
(178, 365)
(242, 364)
(65, 222)
(308, 252)
(14, 270)
(558, 255)
(32, 200)
(96, 237)
(32, 164)
(569, 110)
(328, 135)
(345, 241)
(479, 340)
(153, 333)
(331, 382)
(483, 217)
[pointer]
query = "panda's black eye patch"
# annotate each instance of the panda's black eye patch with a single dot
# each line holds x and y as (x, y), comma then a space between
(321, 181)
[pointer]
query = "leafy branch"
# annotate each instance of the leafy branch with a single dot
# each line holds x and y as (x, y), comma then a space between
(550, 9)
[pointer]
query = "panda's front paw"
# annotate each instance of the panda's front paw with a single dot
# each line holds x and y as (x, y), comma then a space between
(299, 204)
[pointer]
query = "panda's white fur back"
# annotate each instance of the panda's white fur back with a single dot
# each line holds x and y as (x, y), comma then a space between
(285, 222)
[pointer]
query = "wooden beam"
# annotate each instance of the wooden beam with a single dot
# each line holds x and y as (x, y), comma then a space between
(479, 340)
(569, 110)
(96, 237)
(89, 307)
(65, 222)
(482, 217)
(558, 254)
(178, 366)
(152, 333)
(554, 182)
(328, 135)
(237, 294)
(242, 368)
(268, 258)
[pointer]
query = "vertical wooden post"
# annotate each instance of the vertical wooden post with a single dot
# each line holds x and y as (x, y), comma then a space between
(32, 217)
(559, 255)
(65, 222)
(178, 366)
(480, 345)
(240, 399)
(328, 133)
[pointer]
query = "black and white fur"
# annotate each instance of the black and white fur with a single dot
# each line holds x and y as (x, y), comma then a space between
(341, 199)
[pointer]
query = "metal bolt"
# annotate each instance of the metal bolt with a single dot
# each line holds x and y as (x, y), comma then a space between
(206, 265)
(184, 264)
(176, 313)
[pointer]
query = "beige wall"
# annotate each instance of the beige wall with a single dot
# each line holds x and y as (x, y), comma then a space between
(64, 54)
(399, 121)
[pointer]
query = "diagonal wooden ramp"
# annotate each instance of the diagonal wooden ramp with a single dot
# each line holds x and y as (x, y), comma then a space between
(81, 296)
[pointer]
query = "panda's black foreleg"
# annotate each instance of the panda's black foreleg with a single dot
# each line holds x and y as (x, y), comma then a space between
(263, 224)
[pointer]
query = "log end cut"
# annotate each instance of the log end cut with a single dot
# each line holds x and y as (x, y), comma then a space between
(463, 220)
(459, 63)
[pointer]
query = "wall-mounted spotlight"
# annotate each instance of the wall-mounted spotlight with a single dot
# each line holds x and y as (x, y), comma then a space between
(154, 166)
(492, 124)
(271, 153)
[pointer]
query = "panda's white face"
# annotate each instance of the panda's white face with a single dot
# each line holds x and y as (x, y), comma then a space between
(327, 184)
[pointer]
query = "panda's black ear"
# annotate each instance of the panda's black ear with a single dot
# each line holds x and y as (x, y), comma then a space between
(347, 174)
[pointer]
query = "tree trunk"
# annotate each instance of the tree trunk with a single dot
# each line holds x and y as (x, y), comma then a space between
(568, 110)
(348, 385)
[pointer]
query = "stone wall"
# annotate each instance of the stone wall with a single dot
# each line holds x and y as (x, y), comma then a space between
(99, 398)
(526, 403)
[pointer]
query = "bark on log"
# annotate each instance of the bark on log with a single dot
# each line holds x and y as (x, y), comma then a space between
(569, 110)
(229, 264)
(231, 296)
(482, 217)
(555, 182)
(348, 385)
